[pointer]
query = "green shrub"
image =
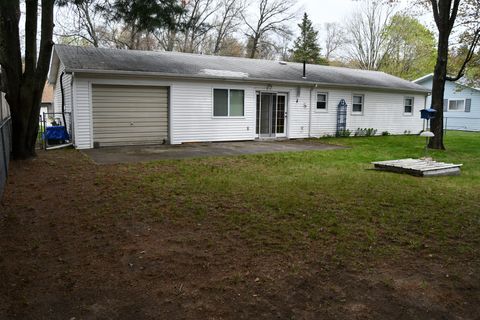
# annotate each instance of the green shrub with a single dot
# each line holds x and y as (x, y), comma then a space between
(365, 132)
(370, 132)
(385, 133)
(343, 133)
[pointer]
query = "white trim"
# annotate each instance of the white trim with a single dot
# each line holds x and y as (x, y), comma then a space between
(73, 114)
(171, 139)
(326, 102)
(286, 123)
(358, 113)
(90, 102)
(228, 116)
(285, 117)
(123, 82)
(408, 114)
(423, 78)
(448, 105)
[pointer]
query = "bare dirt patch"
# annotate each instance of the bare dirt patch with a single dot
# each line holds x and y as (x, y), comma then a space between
(75, 243)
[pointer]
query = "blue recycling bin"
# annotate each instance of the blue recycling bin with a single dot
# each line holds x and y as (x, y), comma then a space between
(56, 134)
(428, 114)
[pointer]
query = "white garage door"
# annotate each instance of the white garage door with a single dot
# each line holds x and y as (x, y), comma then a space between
(129, 115)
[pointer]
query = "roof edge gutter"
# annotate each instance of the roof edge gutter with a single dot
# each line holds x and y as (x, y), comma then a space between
(202, 77)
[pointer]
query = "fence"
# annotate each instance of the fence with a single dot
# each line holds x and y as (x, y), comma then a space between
(5, 141)
(461, 124)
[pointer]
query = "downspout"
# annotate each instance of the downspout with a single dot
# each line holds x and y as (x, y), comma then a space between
(310, 115)
(62, 91)
(310, 112)
(72, 118)
(63, 102)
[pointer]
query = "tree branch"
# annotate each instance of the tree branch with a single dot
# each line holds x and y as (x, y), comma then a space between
(46, 42)
(468, 58)
(31, 19)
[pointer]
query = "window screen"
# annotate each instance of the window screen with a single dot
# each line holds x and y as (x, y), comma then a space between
(220, 102)
(236, 103)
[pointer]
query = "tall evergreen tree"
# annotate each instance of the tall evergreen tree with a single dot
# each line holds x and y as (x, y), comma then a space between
(305, 47)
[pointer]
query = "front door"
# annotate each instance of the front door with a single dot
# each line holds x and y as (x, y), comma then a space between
(271, 115)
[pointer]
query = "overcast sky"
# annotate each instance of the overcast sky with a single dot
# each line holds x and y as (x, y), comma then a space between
(322, 11)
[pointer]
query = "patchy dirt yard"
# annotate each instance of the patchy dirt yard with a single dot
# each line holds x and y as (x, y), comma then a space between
(83, 241)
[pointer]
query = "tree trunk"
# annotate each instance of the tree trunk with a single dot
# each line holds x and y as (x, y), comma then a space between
(24, 90)
(25, 110)
(254, 47)
(438, 89)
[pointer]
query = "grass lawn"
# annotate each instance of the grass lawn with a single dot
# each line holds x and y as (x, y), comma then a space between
(289, 235)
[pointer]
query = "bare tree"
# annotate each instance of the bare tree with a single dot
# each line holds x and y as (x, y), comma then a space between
(80, 19)
(197, 23)
(367, 39)
(271, 18)
(168, 37)
(334, 38)
(228, 19)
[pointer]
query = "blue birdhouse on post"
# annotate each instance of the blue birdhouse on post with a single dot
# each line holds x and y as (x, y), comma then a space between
(428, 114)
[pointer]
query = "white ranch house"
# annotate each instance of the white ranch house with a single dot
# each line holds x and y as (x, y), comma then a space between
(119, 97)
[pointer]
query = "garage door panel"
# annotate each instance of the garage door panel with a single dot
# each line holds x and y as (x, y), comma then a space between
(119, 102)
(130, 130)
(126, 115)
(117, 141)
(128, 124)
(137, 91)
(131, 114)
(129, 107)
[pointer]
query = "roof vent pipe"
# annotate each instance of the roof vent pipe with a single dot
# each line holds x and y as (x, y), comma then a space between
(304, 70)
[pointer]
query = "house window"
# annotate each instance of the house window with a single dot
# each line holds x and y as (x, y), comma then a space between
(357, 106)
(228, 103)
(321, 101)
(456, 105)
(408, 105)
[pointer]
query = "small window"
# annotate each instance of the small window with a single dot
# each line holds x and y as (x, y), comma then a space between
(456, 105)
(357, 106)
(321, 101)
(408, 105)
(228, 103)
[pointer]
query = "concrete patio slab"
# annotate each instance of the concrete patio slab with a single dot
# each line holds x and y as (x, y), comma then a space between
(134, 154)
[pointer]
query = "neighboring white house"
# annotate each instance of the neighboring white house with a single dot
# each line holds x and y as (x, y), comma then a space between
(122, 97)
(461, 105)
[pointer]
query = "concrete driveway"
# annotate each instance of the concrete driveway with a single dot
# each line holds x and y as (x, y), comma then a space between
(133, 154)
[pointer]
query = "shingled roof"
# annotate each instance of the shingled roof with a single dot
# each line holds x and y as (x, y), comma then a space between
(173, 64)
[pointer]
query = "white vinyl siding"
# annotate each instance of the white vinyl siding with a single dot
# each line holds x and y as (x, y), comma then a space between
(455, 120)
(82, 114)
(57, 101)
(192, 120)
(383, 111)
(129, 115)
(67, 91)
